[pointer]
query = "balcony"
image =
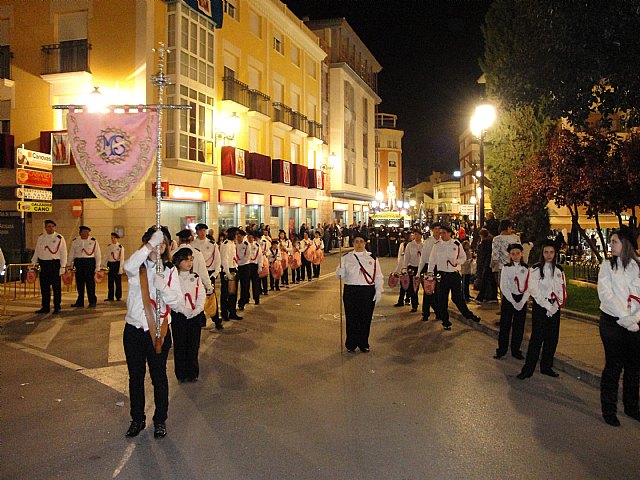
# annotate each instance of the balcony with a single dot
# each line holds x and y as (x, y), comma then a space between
(300, 124)
(259, 104)
(236, 94)
(7, 91)
(282, 116)
(66, 57)
(386, 120)
(315, 130)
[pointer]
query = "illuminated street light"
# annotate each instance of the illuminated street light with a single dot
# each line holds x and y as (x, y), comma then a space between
(457, 174)
(230, 126)
(96, 101)
(379, 196)
(481, 120)
(412, 203)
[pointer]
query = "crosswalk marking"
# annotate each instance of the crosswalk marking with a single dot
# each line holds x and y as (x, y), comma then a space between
(44, 333)
(116, 350)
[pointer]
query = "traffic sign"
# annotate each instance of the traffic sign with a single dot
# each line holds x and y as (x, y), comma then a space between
(44, 207)
(31, 159)
(34, 178)
(33, 194)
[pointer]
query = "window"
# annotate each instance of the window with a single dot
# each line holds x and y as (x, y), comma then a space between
(349, 134)
(278, 147)
(278, 43)
(277, 92)
(255, 24)
(295, 153)
(72, 26)
(311, 68)
(231, 8)
(254, 139)
(294, 53)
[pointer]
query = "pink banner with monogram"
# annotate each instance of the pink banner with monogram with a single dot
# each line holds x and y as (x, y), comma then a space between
(114, 152)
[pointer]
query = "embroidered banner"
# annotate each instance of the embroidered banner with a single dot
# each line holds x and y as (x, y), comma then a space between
(114, 152)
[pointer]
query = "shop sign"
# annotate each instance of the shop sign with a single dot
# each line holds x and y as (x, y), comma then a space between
(180, 192)
(295, 202)
(229, 196)
(254, 199)
(278, 201)
(340, 207)
(44, 207)
(466, 209)
(34, 178)
(312, 203)
(31, 159)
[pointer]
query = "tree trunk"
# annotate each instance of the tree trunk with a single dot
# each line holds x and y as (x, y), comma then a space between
(576, 223)
(597, 217)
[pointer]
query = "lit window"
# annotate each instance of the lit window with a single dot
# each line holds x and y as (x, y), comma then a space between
(231, 9)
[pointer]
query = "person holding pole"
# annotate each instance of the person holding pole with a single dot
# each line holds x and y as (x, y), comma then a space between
(51, 254)
(363, 286)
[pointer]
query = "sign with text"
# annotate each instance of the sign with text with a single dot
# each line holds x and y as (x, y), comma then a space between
(466, 209)
(31, 159)
(33, 194)
(34, 178)
(44, 207)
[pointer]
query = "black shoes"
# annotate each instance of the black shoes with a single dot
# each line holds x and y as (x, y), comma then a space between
(160, 430)
(497, 356)
(43, 310)
(407, 302)
(550, 373)
(234, 317)
(364, 350)
(56, 311)
(92, 305)
(413, 310)
(447, 327)
(135, 428)
(425, 319)
(611, 419)
(241, 308)
(518, 355)
(524, 375)
(77, 305)
(475, 318)
(108, 299)
(219, 326)
(351, 350)
(635, 414)
(399, 305)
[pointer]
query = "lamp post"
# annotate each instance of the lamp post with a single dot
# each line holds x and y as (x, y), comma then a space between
(229, 130)
(482, 119)
(473, 201)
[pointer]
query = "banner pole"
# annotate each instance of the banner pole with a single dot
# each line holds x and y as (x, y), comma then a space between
(341, 321)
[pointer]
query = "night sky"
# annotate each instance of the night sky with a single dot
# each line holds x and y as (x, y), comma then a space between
(429, 51)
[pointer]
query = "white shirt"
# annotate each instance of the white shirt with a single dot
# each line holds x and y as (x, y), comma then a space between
(617, 287)
(265, 243)
(114, 253)
(304, 244)
(514, 280)
(199, 265)
(244, 251)
(549, 292)
(273, 255)
(88, 248)
(412, 254)
(193, 293)
(228, 257)
(319, 244)
(427, 246)
(287, 246)
(353, 274)
(50, 247)
(170, 293)
(211, 254)
(400, 263)
(447, 256)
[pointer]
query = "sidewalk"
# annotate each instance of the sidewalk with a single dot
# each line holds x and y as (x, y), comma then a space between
(579, 354)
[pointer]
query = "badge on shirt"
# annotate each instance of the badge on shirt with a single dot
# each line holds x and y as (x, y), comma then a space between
(559, 276)
(192, 279)
(522, 270)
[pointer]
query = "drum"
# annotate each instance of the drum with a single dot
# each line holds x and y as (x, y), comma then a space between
(31, 276)
(404, 281)
(394, 279)
(67, 277)
(276, 269)
(318, 257)
(429, 285)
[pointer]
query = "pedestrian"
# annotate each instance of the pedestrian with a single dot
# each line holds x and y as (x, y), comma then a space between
(487, 288)
(296, 260)
(446, 257)
(405, 296)
(306, 244)
(114, 262)
(187, 318)
(286, 248)
(85, 256)
(465, 270)
(619, 293)
(549, 292)
(139, 330)
(265, 244)
(412, 253)
(243, 258)
(318, 247)
(499, 244)
(274, 258)
(211, 254)
(363, 286)
(429, 301)
(514, 285)
(255, 264)
(51, 255)
(492, 224)
(228, 277)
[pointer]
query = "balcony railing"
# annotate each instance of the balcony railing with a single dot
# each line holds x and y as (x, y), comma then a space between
(236, 91)
(315, 129)
(259, 102)
(5, 62)
(386, 120)
(299, 122)
(282, 114)
(66, 57)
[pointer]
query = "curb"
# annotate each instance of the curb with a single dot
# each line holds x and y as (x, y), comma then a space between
(574, 368)
(583, 317)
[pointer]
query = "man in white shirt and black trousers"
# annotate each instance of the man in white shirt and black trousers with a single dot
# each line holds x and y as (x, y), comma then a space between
(244, 250)
(85, 255)
(429, 301)
(229, 266)
(412, 254)
(211, 254)
(51, 254)
(363, 286)
(446, 257)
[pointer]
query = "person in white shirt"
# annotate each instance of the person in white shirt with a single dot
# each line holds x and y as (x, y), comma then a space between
(411, 262)
(199, 266)
(305, 244)
(244, 255)
(429, 301)
(229, 266)
(255, 264)
(51, 254)
(619, 293)
(265, 244)
(363, 286)
(446, 257)
(514, 285)
(139, 330)
(186, 318)
(286, 248)
(114, 262)
(405, 296)
(549, 292)
(85, 256)
(319, 247)
(273, 256)
(211, 254)
(499, 244)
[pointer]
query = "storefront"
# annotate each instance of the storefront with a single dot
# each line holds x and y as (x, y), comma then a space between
(312, 212)
(276, 222)
(340, 212)
(295, 214)
(357, 214)
(228, 209)
(254, 210)
(183, 207)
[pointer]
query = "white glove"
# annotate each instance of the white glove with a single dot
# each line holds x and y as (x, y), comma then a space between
(209, 291)
(157, 238)
(377, 297)
(551, 310)
(630, 323)
(62, 270)
(340, 271)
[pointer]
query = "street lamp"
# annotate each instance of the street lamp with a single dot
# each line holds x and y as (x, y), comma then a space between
(482, 119)
(473, 201)
(331, 163)
(230, 128)
(379, 196)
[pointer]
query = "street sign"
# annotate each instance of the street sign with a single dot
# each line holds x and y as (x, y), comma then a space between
(34, 178)
(33, 194)
(44, 207)
(31, 159)
(466, 209)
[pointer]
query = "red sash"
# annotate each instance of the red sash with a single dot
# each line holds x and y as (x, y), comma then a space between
(526, 283)
(53, 252)
(187, 296)
(92, 250)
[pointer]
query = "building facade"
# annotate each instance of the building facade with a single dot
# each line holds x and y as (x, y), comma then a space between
(388, 153)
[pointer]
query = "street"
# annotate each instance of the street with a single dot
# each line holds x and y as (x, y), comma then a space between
(279, 398)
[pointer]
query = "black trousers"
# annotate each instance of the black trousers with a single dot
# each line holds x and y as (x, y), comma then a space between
(430, 301)
(510, 316)
(186, 343)
(544, 336)
(50, 279)
(285, 276)
(115, 281)
(273, 282)
(296, 274)
(316, 270)
(306, 267)
(358, 308)
(413, 293)
(255, 282)
(85, 270)
(622, 352)
(244, 276)
(227, 300)
(264, 285)
(140, 351)
(451, 282)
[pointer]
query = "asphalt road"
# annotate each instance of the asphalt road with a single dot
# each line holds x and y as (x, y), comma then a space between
(278, 398)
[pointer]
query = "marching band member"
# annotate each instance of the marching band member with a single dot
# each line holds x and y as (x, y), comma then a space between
(363, 287)
(286, 248)
(51, 254)
(211, 254)
(296, 273)
(255, 264)
(412, 254)
(405, 297)
(114, 261)
(549, 292)
(139, 346)
(86, 257)
(305, 243)
(187, 317)
(229, 266)
(514, 286)
(319, 245)
(273, 255)
(446, 257)
(265, 244)
(619, 292)
(429, 301)
(199, 266)
(244, 251)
